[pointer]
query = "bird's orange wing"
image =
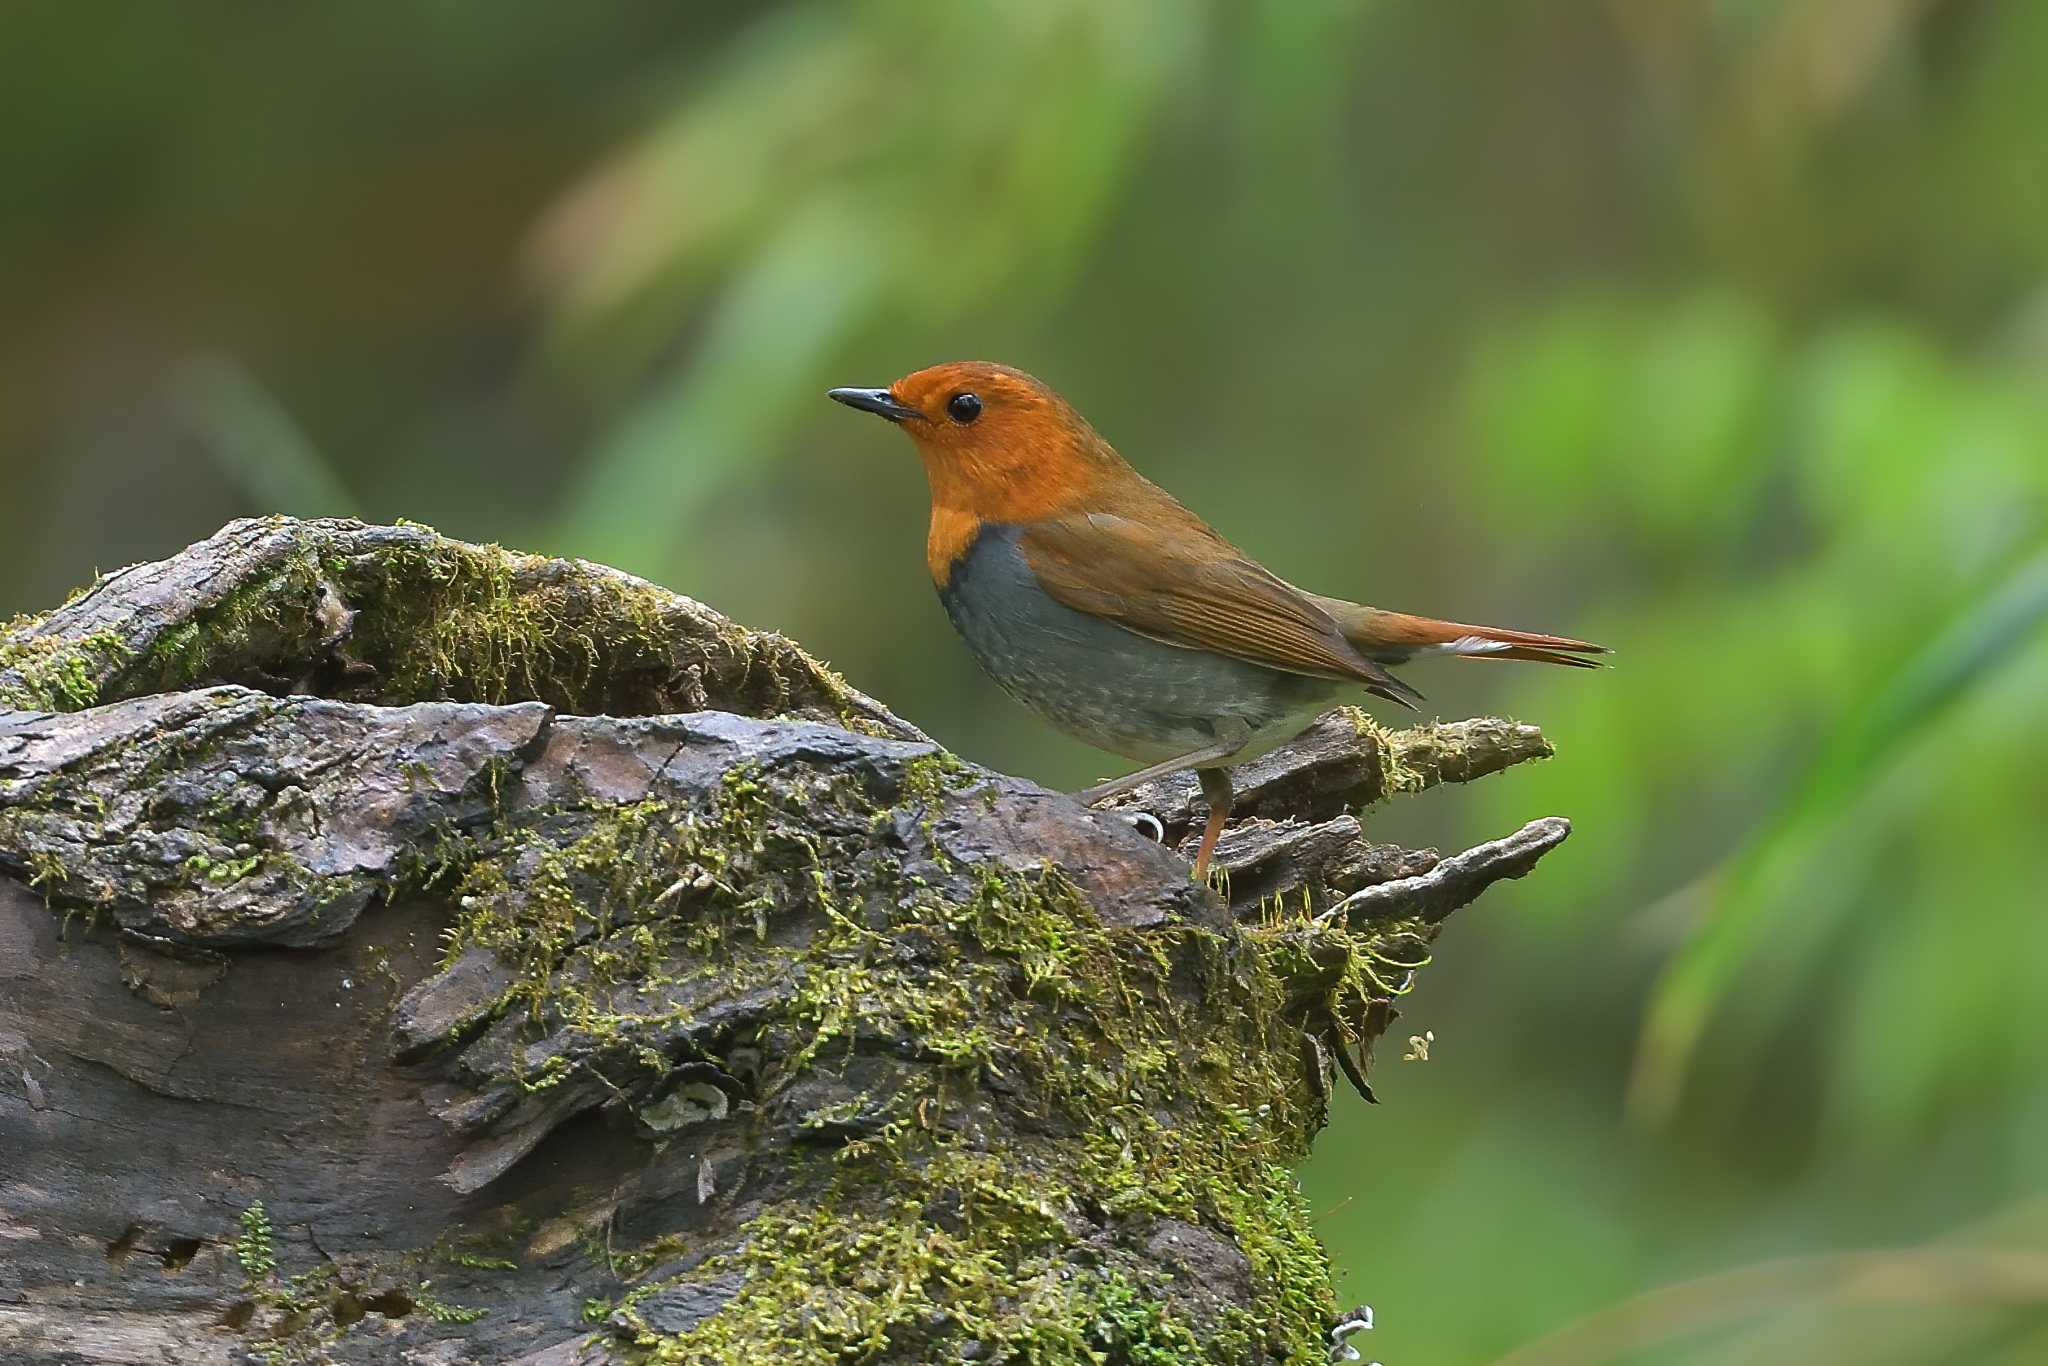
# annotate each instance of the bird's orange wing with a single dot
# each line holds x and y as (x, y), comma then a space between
(1195, 590)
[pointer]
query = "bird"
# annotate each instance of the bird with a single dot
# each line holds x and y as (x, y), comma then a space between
(1097, 600)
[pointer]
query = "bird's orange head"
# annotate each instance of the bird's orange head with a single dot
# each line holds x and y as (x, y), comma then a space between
(998, 446)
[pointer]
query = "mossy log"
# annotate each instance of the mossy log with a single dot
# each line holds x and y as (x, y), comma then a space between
(415, 951)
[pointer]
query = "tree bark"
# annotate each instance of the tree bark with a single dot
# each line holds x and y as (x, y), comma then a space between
(416, 951)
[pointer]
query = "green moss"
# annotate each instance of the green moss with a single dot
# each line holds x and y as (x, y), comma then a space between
(993, 1266)
(1419, 757)
(468, 624)
(1037, 1091)
(590, 915)
(436, 619)
(314, 1308)
(440, 1311)
(970, 1247)
(931, 778)
(267, 627)
(1139, 1330)
(1403, 766)
(45, 871)
(1134, 1101)
(224, 872)
(54, 673)
(480, 1263)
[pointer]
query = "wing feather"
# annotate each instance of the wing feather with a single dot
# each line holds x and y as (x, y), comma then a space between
(1199, 592)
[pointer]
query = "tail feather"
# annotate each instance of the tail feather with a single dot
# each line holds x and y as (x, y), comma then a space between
(1393, 689)
(1540, 657)
(1393, 637)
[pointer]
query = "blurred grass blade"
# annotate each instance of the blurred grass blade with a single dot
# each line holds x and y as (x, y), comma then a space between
(2013, 1278)
(749, 223)
(256, 443)
(759, 370)
(1871, 738)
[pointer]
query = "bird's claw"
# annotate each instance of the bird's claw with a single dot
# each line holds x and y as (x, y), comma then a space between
(1146, 824)
(1348, 1325)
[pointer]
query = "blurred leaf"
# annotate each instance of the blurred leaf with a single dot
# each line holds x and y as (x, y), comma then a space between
(628, 252)
(256, 443)
(1955, 1298)
(1656, 409)
(1691, 437)
(1878, 1284)
(1916, 462)
(813, 238)
(779, 319)
(1872, 736)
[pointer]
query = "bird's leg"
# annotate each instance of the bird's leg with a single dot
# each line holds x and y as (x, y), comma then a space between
(1117, 787)
(1207, 764)
(1216, 787)
(1208, 755)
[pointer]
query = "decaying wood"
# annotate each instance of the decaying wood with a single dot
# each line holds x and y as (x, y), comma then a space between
(416, 951)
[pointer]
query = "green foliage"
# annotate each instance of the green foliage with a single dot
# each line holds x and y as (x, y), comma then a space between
(252, 1246)
(1884, 729)
(787, 242)
(440, 1311)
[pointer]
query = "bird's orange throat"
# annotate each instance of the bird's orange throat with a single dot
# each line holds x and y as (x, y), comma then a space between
(952, 533)
(971, 488)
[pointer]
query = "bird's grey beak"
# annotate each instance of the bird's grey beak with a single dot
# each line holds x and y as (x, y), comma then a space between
(878, 401)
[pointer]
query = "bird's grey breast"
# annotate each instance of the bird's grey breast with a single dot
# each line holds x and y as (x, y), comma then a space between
(1107, 685)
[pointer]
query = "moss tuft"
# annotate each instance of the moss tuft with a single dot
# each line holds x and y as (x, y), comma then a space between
(397, 615)
(417, 617)
(919, 1225)
(54, 673)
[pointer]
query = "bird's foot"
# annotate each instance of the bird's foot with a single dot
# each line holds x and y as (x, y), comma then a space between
(1146, 824)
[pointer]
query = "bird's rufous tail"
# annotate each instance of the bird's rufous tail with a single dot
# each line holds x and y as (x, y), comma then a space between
(1392, 637)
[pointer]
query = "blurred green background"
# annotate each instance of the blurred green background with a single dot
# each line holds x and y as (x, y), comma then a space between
(1714, 331)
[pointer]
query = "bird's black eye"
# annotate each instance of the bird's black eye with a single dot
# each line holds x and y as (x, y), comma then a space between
(963, 408)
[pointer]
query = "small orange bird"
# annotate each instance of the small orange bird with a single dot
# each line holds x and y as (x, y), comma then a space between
(1097, 600)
